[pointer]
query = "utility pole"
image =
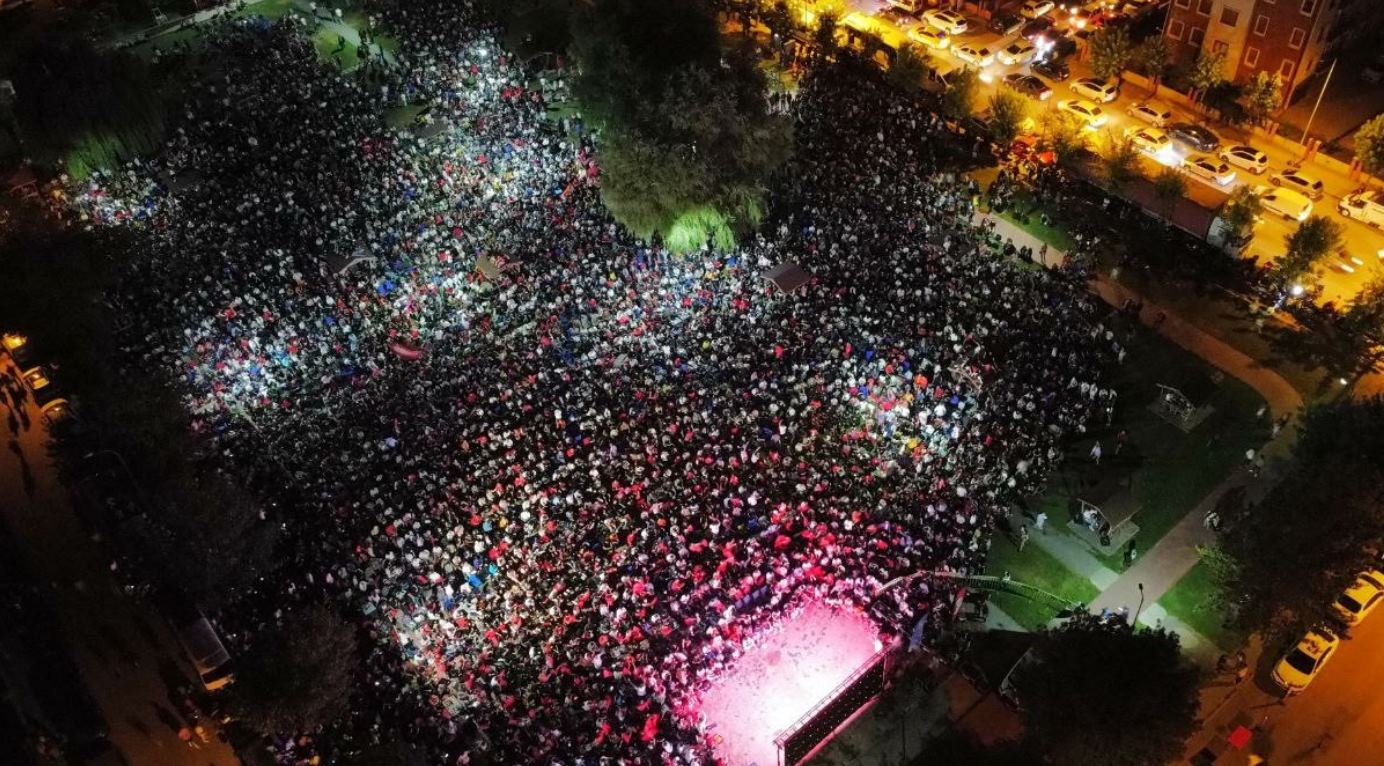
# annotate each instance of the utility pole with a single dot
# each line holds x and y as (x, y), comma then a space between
(1313, 116)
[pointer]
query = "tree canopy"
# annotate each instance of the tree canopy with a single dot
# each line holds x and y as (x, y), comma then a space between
(686, 138)
(1318, 527)
(298, 675)
(1369, 145)
(1307, 244)
(1110, 51)
(1262, 95)
(960, 94)
(1008, 110)
(1153, 56)
(1208, 71)
(1102, 694)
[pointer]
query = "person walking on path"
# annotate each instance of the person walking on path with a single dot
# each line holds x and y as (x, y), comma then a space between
(1131, 552)
(1023, 537)
(1040, 522)
(1095, 453)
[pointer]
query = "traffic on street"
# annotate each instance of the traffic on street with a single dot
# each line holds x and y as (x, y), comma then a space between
(1035, 49)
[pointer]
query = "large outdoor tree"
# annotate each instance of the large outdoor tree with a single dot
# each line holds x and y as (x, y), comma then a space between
(1008, 111)
(298, 675)
(1369, 145)
(1154, 56)
(1208, 71)
(1319, 526)
(686, 139)
(1099, 694)
(959, 98)
(1241, 210)
(1311, 241)
(1121, 162)
(1262, 95)
(909, 68)
(1110, 51)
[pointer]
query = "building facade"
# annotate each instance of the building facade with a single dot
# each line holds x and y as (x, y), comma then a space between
(1287, 37)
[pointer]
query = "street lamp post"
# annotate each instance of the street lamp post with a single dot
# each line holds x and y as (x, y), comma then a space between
(1135, 622)
(1313, 116)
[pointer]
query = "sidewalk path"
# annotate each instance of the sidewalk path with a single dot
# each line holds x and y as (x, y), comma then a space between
(1073, 555)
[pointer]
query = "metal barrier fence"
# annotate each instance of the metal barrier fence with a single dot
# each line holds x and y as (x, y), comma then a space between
(798, 740)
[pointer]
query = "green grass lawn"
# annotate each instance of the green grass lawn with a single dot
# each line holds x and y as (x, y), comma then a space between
(1034, 566)
(1167, 471)
(327, 42)
(403, 116)
(1192, 600)
(1054, 236)
(269, 9)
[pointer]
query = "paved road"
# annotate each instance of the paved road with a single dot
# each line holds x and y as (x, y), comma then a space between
(124, 651)
(1341, 278)
(1339, 719)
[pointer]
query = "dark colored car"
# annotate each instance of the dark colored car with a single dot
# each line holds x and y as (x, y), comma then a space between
(1036, 28)
(1006, 24)
(1052, 69)
(1195, 136)
(1062, 45)
(1028, 85)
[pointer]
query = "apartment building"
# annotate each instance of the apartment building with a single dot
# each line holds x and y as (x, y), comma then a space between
(1289, 37)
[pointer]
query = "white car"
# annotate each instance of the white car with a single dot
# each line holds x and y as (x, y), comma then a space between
(1032, 9)
(930, 37)
(1209, 169)
(1246, 157)
(1092, 115)
(1154, 114)
(950, 22)
(1358, 600)
(1302, 663)
(1300, 182)
(977, 55)
(1292, 205)
(1096, 90)
(1018, 52)
(1150, 141)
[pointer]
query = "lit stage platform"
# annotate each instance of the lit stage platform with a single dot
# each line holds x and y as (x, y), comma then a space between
(783, 678)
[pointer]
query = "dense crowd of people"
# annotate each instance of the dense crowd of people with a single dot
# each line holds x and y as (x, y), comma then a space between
(564, 477)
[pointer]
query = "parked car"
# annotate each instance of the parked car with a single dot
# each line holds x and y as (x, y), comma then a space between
(1209, 169)
(1195, 136)
(930, 37)
(1096, 90)
(1028, 85)
(1018, 52)
(199, 640)
(950, 22)
(1363, 206)
(900, 18)
(1032, 9)
(910, 6)
(1150, 141)
(976, 55)
(1156, 115)
(1052, 69)
(1005, 24)
(1301, 664)
(1078, 17)
(1299, 181)
(19, 350)
(1292, 205)
(1358, 600)
(1246, 157)
(1092, 115)
(1035, 28)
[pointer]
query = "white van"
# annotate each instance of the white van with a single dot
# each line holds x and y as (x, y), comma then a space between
(208, 654)
(1364, 206)
(1285, 202)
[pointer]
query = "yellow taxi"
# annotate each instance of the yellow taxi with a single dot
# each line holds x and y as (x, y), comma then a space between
(1301, 664)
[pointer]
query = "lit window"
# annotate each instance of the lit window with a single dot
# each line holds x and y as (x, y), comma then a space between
(1296, 39)
(1261, 25)
(1251, 57)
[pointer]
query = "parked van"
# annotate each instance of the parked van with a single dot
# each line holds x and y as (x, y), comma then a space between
(198, 639)
(208, 654)
(1285, 202)
(1365, 206)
